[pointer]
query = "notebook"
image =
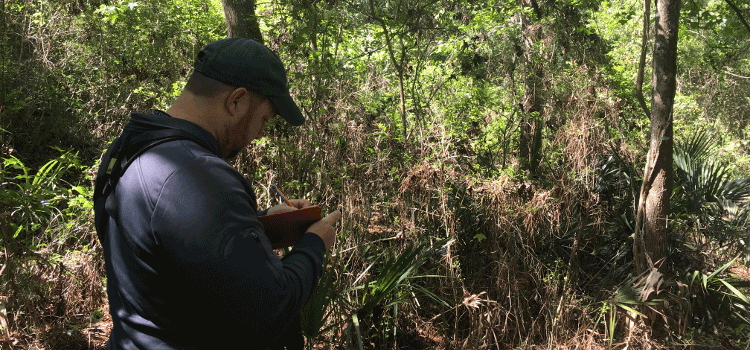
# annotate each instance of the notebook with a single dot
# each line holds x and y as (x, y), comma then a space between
(285, 229)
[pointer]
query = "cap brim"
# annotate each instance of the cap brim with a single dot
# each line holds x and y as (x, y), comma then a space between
(288, 109)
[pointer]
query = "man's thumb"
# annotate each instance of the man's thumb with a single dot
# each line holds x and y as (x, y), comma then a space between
(332, 217)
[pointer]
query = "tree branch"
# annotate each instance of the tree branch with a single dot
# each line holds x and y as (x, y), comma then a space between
(642, 61)
(739, 13)
(735, 75)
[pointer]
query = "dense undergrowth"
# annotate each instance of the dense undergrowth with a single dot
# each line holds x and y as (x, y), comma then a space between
(448, 239)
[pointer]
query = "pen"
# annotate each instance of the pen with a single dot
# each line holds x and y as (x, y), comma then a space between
(282, 196)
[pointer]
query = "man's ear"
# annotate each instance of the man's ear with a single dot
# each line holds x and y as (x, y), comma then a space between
(234, 102)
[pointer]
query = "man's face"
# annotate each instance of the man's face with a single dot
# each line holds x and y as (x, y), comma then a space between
(251, 125)
(258, 120)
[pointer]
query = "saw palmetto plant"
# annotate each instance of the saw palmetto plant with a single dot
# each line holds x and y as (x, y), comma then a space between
(393, 283)
(717, 204)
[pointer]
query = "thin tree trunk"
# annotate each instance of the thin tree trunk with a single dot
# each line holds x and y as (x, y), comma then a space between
(241, 20)
(403, 102)
(3, 51)
(651, 227)
(530, 137)
(531, 126)
(650, 244)
(398, 65)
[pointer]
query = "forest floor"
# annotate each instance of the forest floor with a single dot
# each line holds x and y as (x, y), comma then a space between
(77, 332)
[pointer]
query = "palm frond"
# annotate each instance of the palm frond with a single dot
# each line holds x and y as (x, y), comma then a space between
(701, 180)
(395, 269)
(713, 295)
(319, 308)
(697, 147)
(737, 190)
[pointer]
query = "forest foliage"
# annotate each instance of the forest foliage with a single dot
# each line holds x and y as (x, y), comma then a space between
(486, 155)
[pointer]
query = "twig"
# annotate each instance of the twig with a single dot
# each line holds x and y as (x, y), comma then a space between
(6, 262)
(735, 75)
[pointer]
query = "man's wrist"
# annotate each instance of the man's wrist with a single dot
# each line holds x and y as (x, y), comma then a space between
(315, 240)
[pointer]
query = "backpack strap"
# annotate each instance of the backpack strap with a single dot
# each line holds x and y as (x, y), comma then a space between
(118, 158)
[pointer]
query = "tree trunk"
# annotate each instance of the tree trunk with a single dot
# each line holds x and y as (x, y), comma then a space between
(530, 131)
(530, 139)
(241, 19)
(3, 68)
(403, 103)
(651, 226)
(650, 244)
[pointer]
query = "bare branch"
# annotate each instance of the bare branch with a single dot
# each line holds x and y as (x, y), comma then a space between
(642, 61)
(735, 75)
(739, 13)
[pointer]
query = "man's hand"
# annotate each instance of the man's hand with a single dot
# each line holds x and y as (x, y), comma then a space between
(283, 208)
(326, 228)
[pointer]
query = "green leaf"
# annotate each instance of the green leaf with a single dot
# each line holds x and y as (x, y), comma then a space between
(721, 269)
(82, 190)
(695, 276)
(355, 321)
(18, 231)
(16, 163)
(612, 324)
(628, 308)
(736, 292)
(44, 173)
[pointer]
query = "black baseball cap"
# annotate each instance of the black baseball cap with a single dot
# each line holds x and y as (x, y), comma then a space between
(249, 64)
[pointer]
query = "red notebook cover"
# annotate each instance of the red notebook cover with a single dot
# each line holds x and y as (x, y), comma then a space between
(285, 229)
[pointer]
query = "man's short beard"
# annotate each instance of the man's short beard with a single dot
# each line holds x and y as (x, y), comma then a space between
(232, 155)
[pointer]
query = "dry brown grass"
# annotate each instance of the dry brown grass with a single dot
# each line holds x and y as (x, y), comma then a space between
(50, 296)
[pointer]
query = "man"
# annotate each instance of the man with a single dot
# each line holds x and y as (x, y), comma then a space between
(188, 264)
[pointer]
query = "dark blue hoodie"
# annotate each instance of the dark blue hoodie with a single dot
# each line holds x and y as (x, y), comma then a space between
(188, 264)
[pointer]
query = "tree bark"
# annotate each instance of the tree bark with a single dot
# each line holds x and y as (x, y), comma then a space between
(650, 244)
(241, 20)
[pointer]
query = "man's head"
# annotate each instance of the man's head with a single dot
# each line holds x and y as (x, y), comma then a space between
(251, 65)
(237, 85)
